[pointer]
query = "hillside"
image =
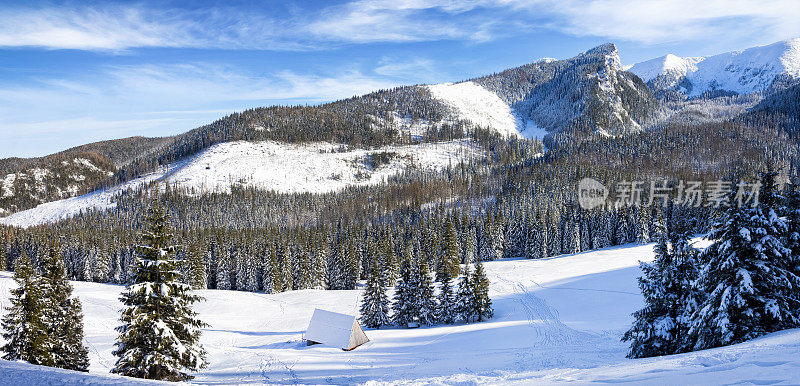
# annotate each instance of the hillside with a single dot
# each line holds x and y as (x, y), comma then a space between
(556, 320)
(588, 93)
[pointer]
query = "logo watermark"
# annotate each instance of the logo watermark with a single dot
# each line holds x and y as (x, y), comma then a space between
(715, 194)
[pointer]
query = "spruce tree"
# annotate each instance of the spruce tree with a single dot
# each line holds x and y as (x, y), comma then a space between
(482, 303)
(270, 280)
(446, 304)
(465, 297)
(25, 323)
(159, 335)
(449, 249)
(404, 306)
(64, 317)
(196, 269)
(661, 328)
(374, 302)
(751, 288)
(425, 303)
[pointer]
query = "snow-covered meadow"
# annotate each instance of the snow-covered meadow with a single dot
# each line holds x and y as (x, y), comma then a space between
(556, 320)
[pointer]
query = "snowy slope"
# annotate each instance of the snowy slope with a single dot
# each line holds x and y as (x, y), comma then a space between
(472, 102)
(478, 105)
(316, 167)
(61, 209)
(747, 71)
(556, 320)
(19, 373)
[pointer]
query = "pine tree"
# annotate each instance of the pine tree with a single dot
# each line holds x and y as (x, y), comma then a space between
(196, 269)
(404, 307)
(750, 285)
(465, 297)
(271, 277)
(482, 303)
(448, 261)
(425, 303)
(25, 322)
(159, 335)
(287, 279)
(446, 305)
(225, 265)
(792, 224)
(661, 327)
(64, 317)
(374, 302)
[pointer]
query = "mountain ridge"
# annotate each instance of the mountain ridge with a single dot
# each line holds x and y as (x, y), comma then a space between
(744, 71)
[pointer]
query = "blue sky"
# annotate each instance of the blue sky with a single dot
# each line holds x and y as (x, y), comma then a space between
(77, 72)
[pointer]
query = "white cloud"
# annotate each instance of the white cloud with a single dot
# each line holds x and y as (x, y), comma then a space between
(366, 21)
(154, 101)
(118, 28)
(660, 21)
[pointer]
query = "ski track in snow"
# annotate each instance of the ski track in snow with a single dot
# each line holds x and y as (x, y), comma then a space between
(556, 320)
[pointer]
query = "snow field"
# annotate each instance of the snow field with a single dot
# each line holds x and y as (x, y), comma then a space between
(556, 320)
(471, 102)
(316, 167)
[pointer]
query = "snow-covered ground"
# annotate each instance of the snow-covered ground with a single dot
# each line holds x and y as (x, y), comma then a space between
(316, 167)
(100, 199)
(471, 102)
(556, 320)
(745, 71)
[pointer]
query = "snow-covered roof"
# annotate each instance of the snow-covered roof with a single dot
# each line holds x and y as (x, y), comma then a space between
(335, 329)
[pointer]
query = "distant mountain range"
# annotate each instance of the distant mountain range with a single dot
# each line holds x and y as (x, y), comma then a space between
(591, 94)
(747, 71)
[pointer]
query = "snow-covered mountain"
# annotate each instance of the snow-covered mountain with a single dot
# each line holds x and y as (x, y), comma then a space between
(589, 92)
(741, 72)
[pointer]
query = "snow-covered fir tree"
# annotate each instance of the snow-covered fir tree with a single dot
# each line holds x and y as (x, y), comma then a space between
(196, 268)
(374, 302)
(160, 333)
(404, 307)
(465, 297)
(449, 253)
(25, 322)
(287, 279)
(423, 295)
(481, 303)
(667, 285)
(751, 288)
(270, 279)
(64, 316)
(446, 305)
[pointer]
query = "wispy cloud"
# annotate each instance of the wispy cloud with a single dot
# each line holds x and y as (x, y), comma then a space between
(121, 27)
(367, 21)
(661, 21)
(155, 100)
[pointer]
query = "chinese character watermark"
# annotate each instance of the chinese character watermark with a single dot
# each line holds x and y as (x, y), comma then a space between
(712, 194)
